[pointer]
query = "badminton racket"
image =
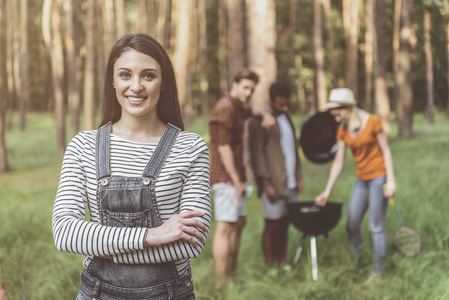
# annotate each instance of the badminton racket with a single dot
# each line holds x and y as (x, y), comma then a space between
(407, 241)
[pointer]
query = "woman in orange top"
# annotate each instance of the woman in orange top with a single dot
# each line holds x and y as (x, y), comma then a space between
(363, 133)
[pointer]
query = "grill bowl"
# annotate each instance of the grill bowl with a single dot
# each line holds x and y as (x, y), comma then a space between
(311, 219)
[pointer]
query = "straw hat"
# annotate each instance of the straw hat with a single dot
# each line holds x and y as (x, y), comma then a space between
(341, 97)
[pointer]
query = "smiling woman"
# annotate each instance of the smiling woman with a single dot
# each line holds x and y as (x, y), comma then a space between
(137, 84)
(168, 110)
(137, 77)
(146, 182)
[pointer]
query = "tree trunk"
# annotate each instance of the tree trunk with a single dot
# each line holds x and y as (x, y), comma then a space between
(79, 60)
(142, 21)
(236, 37)
(261, 47)
(16, 55)
(203, 62)
(222, 46)
(192, 64)
(330, 40)
(10, 58)
(181, 56)
(319, 55)
(119, 17)
(429, 68)
(100, 56)
(110, 27)
(303, 107)
(291, 51)
(3, 87)
(72, 59)
(51, 26)
(171, 36)
(447, 74)
(89, 69)
(404, 75)
(296, 60)
(396, 29)
(161, 28)
(58, 75)
(152, 20)
(351, 11)
(369, 44)
(213, 50)
(24, 65)
(380, 89)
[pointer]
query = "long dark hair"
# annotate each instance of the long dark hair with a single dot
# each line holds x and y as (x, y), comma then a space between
(168, 108)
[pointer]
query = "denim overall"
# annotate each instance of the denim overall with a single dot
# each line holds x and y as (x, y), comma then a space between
(131, 202)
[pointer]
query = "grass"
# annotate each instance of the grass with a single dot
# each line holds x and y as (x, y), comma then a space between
(32, 268)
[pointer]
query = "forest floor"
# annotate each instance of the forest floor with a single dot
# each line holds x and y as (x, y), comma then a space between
(32, 268)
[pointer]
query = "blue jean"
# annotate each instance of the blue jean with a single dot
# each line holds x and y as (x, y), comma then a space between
(369, 194)
(180, 289)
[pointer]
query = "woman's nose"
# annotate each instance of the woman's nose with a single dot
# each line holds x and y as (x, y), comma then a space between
(136, 85)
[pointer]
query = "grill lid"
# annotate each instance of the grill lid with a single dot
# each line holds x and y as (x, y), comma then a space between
(318, 141)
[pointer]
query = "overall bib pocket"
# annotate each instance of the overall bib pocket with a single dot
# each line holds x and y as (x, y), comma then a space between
(125, 219)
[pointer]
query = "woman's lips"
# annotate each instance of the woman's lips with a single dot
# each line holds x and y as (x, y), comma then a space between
(135, 100)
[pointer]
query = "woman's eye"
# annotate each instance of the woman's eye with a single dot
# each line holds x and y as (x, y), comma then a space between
(124, 75)
(149, 76)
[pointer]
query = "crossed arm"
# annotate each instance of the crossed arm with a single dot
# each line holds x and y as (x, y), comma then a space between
(180, 237)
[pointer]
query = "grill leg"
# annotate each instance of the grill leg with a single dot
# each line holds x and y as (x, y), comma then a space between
(314, 257)
(298, 251)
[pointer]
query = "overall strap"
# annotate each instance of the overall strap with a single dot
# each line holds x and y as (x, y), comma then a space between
(166, 142)
(102, 153)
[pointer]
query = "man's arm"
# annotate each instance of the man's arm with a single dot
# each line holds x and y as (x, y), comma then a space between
(267, 119)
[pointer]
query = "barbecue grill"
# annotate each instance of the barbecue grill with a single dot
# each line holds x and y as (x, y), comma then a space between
(313, 220)
(319, 145)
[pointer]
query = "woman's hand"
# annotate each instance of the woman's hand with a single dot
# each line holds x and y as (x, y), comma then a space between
(390, 189)
(178, 227)
(321, 199)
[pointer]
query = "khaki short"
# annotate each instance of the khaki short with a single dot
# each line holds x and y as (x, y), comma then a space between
(278, 209)
(228, 206)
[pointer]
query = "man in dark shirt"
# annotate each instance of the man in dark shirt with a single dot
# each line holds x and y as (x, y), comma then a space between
(228, 177)
(277, 169)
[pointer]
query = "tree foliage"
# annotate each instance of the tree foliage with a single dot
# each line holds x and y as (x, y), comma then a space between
(294, 37)
(208, 58)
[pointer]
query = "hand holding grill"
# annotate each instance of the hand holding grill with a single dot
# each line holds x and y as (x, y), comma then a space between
(321, 199)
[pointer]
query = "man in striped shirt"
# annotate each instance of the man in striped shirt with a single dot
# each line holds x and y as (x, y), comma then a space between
(227, 168)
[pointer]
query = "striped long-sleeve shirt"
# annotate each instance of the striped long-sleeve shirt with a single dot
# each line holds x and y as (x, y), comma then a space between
(182, 185)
